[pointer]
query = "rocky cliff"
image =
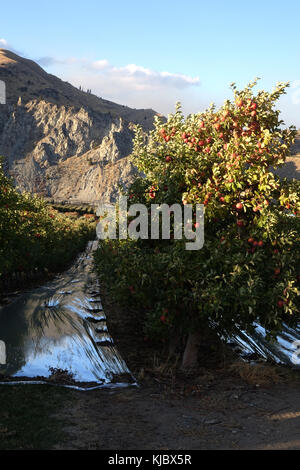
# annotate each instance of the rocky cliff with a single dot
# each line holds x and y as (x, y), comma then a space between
(61, 142)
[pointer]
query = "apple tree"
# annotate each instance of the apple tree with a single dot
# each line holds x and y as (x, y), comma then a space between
(249, 267)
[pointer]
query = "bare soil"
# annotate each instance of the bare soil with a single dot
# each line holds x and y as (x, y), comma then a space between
(224, 414)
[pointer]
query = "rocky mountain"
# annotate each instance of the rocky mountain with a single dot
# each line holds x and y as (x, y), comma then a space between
(291, 169)
(61, 142)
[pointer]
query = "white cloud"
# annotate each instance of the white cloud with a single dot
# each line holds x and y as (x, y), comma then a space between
(141, 77)
(3, 43)
(133, 85)
(48, 61)
(100, 64)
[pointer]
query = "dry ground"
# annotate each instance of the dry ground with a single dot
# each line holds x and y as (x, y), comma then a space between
(220, 413)
(224, 404)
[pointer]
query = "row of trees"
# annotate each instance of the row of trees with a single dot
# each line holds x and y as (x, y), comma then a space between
(33, 235)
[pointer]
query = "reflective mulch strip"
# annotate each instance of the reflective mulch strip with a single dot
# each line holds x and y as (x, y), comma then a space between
(57, 334)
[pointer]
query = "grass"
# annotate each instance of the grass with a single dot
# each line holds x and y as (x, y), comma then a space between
(257, 374)
(29, 416)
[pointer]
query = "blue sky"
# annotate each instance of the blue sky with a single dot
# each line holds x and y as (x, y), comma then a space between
(151, 54)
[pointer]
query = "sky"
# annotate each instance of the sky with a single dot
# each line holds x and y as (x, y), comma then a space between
(151, 54)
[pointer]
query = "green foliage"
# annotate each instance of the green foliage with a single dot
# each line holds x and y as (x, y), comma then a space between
(34, 235)
(249, 267)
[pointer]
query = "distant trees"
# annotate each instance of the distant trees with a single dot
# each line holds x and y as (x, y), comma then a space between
(88, 91)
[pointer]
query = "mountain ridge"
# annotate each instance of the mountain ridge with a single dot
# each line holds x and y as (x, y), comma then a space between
(63, 92)
(61, 142)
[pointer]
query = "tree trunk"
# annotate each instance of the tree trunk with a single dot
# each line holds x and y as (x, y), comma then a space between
(190, 355)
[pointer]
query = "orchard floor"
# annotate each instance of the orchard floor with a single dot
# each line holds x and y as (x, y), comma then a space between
(224, 404)
(224, 414)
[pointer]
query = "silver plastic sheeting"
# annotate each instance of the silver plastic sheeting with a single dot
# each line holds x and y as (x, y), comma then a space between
(284, 349)
(58, 334)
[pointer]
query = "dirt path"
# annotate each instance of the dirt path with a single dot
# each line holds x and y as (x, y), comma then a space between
(224, 414)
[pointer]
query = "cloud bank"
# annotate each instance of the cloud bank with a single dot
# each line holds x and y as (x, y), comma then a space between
(132, 84)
